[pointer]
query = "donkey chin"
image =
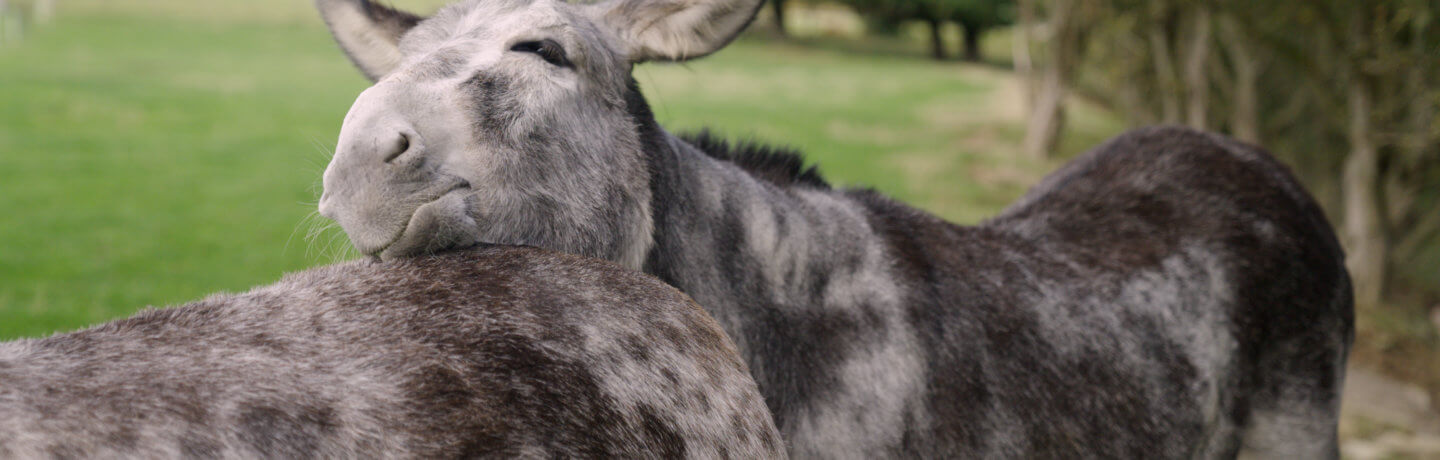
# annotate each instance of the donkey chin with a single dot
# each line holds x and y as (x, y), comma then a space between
(390, 228)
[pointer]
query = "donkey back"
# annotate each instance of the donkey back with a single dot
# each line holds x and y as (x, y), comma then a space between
(491, 352)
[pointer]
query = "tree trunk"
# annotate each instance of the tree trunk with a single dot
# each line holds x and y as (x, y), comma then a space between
(778, 7)
(1065, 47)
(1197, 86)
(1164, 68)
(937, 39)
(1020, 48)
(1364, 232)
(1244, 117)
(971, 34)
(1047, 116)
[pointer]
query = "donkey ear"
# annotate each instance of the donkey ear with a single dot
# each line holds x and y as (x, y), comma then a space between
(677, 30)
(369, 33)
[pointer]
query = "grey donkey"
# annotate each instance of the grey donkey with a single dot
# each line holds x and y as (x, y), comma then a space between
(490, 352)
(1170, 294)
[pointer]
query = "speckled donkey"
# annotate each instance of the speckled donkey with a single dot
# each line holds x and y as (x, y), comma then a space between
(491, 352)
(1170, 294)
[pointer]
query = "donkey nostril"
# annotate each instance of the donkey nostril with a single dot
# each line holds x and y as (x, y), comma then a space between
(398, 147)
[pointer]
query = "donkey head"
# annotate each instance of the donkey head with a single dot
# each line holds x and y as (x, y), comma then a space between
(505, 121)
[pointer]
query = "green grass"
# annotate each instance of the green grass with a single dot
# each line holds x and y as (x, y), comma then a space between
(154, 152)
(157, 167)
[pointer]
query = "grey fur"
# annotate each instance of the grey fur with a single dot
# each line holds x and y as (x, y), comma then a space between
(490, 352)
(1170, 294)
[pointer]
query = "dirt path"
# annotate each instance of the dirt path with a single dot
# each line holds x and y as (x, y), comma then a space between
(1382, 418)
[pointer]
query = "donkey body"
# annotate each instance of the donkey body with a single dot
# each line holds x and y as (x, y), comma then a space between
(493, 352)
(1170, 294)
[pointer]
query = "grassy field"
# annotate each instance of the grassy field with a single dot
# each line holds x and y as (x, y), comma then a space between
(152, 153)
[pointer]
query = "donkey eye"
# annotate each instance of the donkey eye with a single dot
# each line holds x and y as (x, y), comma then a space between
(547, 49)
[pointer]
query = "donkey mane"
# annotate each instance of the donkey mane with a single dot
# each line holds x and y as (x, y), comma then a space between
(780, 165)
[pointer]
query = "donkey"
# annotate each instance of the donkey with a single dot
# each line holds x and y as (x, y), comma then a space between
(491, 352)
(1170, 294)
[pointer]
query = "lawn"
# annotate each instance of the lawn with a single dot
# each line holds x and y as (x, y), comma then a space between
(153, 153)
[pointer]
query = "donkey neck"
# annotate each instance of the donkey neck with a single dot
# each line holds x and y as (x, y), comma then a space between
(799, 278)
(739, 243)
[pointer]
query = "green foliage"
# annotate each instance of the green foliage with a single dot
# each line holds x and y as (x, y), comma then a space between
(979, 14)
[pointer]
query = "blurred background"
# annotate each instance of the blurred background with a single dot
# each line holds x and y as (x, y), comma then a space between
(155, 151)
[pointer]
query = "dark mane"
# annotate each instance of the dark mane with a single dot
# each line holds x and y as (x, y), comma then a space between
(781, 166)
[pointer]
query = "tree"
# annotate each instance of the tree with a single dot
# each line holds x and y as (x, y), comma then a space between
(1197, 58)
(1067, 25)
(1346, 92)
(888, 14)
(778, 8)
(1374, 62)
(976, 17)
(1391, 94)
(1244, 79)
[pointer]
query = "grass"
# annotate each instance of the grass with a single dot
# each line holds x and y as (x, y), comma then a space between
(155, 152)
(157, 168)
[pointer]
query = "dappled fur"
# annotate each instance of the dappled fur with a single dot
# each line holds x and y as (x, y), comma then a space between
(1171, 294)
(491, 352)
